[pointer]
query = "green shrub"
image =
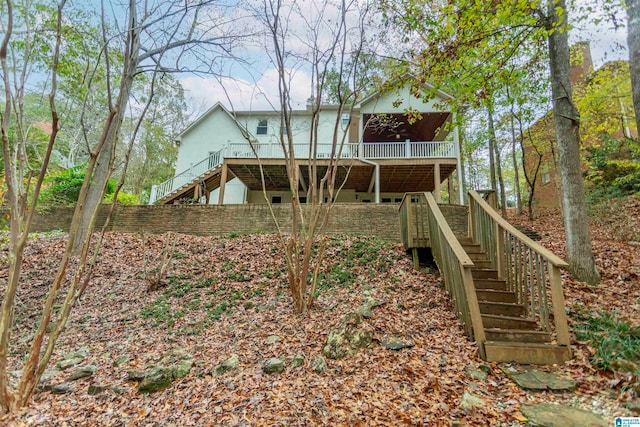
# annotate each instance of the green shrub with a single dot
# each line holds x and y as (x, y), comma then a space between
(123, 199)
(614, 168)
(616, 343)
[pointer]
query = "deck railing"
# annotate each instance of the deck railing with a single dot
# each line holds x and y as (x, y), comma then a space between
(368, 150)
(212, 161)
(530, 270)
(453, 262)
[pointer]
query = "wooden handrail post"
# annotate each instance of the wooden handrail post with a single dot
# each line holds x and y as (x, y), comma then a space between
(474, 310)
(557, 301)
(500, 255)
(409, 199)
(472, 219)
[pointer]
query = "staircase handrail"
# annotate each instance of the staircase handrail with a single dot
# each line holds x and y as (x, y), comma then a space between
(529, 269)
(212, 161)
(503, 223)
(455, 266)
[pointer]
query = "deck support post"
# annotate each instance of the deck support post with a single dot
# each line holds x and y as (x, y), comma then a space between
(436, 182)
(223, 183)
(416, 258)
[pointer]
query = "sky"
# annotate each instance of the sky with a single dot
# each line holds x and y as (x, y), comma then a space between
(256, 88)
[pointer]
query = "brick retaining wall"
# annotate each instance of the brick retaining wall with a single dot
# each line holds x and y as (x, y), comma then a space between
(381, 220)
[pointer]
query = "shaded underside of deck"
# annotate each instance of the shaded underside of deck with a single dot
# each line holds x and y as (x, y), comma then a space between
(396, 175)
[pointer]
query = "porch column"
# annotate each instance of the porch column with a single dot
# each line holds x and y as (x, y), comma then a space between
(450, 188)
(436, 181)
(223, 183)
(459, 168)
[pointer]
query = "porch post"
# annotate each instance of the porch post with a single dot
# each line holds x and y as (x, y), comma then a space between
(459, 171)
(223, 183)
(436, 181)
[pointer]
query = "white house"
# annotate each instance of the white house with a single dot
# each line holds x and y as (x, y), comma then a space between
(220, 153)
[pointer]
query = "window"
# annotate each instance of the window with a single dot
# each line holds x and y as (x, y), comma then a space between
(386, 200)
(546, 178)
(366, 201)
(345, 119)
(276, 199)
(398, 200)
(303, 199)
(262, 128)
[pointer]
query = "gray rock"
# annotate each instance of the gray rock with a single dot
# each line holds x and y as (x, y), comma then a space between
(533, 379)
(69, 363)
(396, 343)
(298, 361)
(347, 338)
(84, 372)
(477, 374)
(319, 364)
(470, 401)
(61, 389)
(273, 366)
(157, 379)
(181, 369)
(135, 375)
(47, 375)
(365, 312)
(121, 360)
(633, 407)
(228, 365)
(272, 339)
(95, 389)
(174, 356)
(550, 415)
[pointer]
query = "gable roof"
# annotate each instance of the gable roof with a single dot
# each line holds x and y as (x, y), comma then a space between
(216, 107)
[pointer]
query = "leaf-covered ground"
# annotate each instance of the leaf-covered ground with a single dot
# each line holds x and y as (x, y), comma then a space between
(226, 296)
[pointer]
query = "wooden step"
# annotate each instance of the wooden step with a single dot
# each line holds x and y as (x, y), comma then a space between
(484, 273)
(526, 353)
(482, 264)
(517, 335)
(472, 248)
(491, 295)
(508, 322)
(465, 241)
(495, 284)
(478, 256)
(502, 309)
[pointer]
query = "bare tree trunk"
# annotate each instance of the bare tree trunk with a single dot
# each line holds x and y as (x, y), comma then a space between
(567, 122)
(492, 143)
(106, 155)
(633, 41)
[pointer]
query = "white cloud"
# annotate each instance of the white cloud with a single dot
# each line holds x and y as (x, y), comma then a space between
(237, 94)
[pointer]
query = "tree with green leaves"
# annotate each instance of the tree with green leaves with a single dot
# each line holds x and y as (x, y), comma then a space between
(153, 39)
(465, 46)
(633, 42)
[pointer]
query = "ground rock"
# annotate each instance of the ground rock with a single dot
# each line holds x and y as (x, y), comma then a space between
(83, 372)
(533, 379)
(470, 401)
(273, 366)
(121, 360)
(319, 364)
(228, 365)
(156, 379)
(347, 338)
(396, 343)
(181, 369)
(95, 389)
(550, 415)
(298, 361)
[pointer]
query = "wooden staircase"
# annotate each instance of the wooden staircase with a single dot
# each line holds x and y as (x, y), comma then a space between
(506, 289)
(510, 335)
